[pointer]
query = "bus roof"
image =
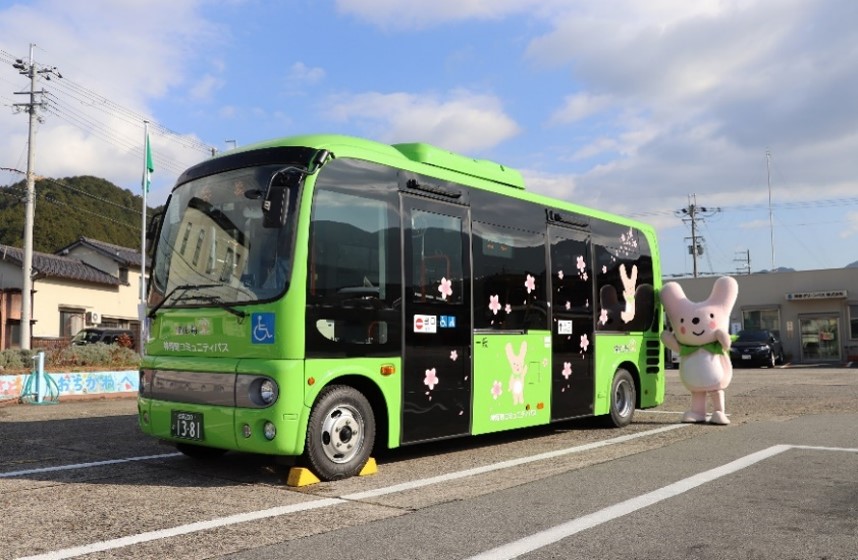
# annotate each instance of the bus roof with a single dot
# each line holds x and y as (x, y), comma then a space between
(417, 152)
(442, 160)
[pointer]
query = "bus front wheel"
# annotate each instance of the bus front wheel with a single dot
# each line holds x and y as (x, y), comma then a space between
(623, 399)
(340, 434)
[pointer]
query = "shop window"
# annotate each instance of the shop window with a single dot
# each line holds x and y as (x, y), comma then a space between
(762, 319)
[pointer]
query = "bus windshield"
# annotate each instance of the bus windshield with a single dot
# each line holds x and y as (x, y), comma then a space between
(217, 246)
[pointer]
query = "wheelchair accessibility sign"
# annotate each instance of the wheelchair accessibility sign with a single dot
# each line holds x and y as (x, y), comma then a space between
(262, 328)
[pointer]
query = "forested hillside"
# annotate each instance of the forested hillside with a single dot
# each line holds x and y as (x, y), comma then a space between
(69, 208)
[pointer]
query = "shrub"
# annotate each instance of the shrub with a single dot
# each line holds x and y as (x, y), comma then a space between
(15, 359)
(106, 356)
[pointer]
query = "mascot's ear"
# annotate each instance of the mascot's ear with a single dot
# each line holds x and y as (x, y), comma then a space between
(672, 293)
(725, 291)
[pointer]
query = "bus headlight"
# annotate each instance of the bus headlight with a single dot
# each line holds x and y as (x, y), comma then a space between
(268, 391)
(255, 391)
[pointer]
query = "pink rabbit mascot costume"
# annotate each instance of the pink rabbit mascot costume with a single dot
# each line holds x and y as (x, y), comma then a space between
(700, 335)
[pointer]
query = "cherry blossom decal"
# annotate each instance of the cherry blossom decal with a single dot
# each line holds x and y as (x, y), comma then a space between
(567, 369)
(560, 275)
(494, 304)
(530, 283)
(446, 288)
(431, 379)
(454, 355)
(585, 343)
(497, 390)
(507, 309)
(603, 317)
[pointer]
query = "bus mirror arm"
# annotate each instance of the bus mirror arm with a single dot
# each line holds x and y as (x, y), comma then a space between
(274, 204)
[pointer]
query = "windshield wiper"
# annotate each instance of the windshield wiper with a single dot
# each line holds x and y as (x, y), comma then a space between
(184, 288)
(215, 300)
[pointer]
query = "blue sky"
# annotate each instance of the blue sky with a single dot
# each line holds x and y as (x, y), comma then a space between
(622, 105)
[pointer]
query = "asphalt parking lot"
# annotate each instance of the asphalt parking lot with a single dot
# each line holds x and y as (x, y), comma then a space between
(78, 480)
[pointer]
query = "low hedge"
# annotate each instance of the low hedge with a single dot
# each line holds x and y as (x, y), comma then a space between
(70, 358)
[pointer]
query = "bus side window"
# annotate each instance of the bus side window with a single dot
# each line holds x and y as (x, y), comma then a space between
(624, 280)
(509, 279)
(353, 284)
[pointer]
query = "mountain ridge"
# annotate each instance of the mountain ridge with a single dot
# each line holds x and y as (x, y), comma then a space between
(69, 208)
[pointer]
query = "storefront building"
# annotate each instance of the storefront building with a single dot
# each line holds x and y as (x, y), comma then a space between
(814, 312)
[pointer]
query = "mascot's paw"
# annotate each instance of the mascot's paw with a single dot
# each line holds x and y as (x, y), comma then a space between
(719, 418)
(693, 417)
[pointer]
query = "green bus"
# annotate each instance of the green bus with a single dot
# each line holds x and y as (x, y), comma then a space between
(315, 296)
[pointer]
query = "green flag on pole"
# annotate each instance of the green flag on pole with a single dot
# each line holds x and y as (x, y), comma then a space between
(150, 167)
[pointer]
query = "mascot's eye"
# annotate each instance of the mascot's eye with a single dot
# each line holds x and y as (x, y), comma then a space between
(711, 315)
(681, 320)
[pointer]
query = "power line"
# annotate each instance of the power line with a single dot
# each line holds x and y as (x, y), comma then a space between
(96, 115)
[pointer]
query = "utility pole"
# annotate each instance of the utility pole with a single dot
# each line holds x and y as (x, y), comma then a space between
(694, 213)
(771, 216)
(743, 257)
(29, 70)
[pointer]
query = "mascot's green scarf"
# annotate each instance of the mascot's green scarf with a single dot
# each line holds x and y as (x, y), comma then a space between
(711, 347)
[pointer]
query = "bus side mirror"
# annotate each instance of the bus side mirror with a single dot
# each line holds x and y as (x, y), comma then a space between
(275, 205)
(153, 226)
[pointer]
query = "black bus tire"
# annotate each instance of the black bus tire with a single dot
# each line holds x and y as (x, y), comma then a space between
(340, 433)
(623, 399)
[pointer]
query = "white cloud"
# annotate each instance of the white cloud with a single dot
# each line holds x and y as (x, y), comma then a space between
(410, 14)
(112, 55)
(302, 74)
(580, 106)
(462, 121)
(550, 184)
(204, 89)
(852, 226)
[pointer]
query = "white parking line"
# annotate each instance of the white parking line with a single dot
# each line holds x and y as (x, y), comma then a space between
(560, 532)
(316, 504)
(507, 464)
(86, 465)
(182, 530)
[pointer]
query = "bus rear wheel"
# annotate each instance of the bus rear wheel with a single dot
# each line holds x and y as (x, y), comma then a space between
(340, 434)
(623, 399)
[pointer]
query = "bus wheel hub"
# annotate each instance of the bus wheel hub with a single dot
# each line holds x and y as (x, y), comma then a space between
(341, 435)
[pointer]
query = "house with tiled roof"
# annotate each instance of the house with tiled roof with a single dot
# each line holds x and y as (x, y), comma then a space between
(86, 283)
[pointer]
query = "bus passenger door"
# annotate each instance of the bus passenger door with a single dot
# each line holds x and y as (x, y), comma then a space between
(572, 278)
(437, 323)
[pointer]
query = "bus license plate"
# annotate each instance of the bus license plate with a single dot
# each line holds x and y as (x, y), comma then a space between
(186, 425)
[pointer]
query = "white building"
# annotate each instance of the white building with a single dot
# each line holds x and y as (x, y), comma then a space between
(89, 282)
(815, 312)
